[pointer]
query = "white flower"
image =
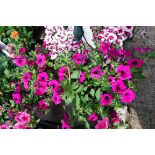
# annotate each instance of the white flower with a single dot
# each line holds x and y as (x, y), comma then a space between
(53, 56)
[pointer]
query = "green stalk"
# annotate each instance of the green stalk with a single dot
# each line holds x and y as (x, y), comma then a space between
(69, 75)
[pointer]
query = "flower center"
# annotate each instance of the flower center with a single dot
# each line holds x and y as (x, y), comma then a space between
(24, 118)
(134, 62)
(43, 105)
(106, 97)
(96, 72)
(110, 80)
(122, 72)
(19, 60)
(40, 60)
(118, 87)
(126, 94)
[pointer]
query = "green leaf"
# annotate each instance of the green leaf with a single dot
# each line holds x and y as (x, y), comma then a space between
(75, 75)
(12, 103)
(97, 94)
(6, 72)
(69, 100)
(77, 101)
(74, 85)
(112, 72)
(79, 89)
(64, 82)
(92, 92)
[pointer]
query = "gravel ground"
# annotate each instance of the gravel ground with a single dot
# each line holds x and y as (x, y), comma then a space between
(142, 112)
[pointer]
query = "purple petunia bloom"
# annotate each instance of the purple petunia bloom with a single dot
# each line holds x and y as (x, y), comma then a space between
(43, 104)
(128, 96)
(102, 124)
(17, 98)
(18, 89)
(27, 76)
(96, 72)
(41, 60)
(22, 50)
(42, 77)
(82, 77)
(20, 61)
(135, 63)
(22, 117)
(65, 122)
(54, 84)
(61, 72)
(56, 98)
(40, 89)
(93, 117)
(4, 126)
(118, 86)
(26, 85)
(104, 47)
(106, 99)
(124, 72)
(79, 58)
(111, 79)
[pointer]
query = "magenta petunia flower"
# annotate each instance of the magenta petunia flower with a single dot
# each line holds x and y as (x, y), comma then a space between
(106, 99)
(4, 126)
(104, 47)
(39, 91)
(124, 72)
(111, 79)
(42, 77)
(124, 53)
(19, 126)
(102, 124)
(96, 72)
(54, 84)
(65, 125)
(82, 77)
(20, 60)
(118, 86)
(93, 117)
(65, 122)
(56, 98)
(31, 63)
(22, 117)
(38, 50)
(44, 44)
(26, 85)
(27, 76)
(114, 118)
(66, 117)
(41, 60)
(18, 89)
(61, 72)
(43, 104)
(22, 50)
(42, 85)
(11, 113)
(17, 98)
(128, 96)
(113, 53)
(79, 58)
(40, 88)
(25, 118)
(42, 68)
(135, 63)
